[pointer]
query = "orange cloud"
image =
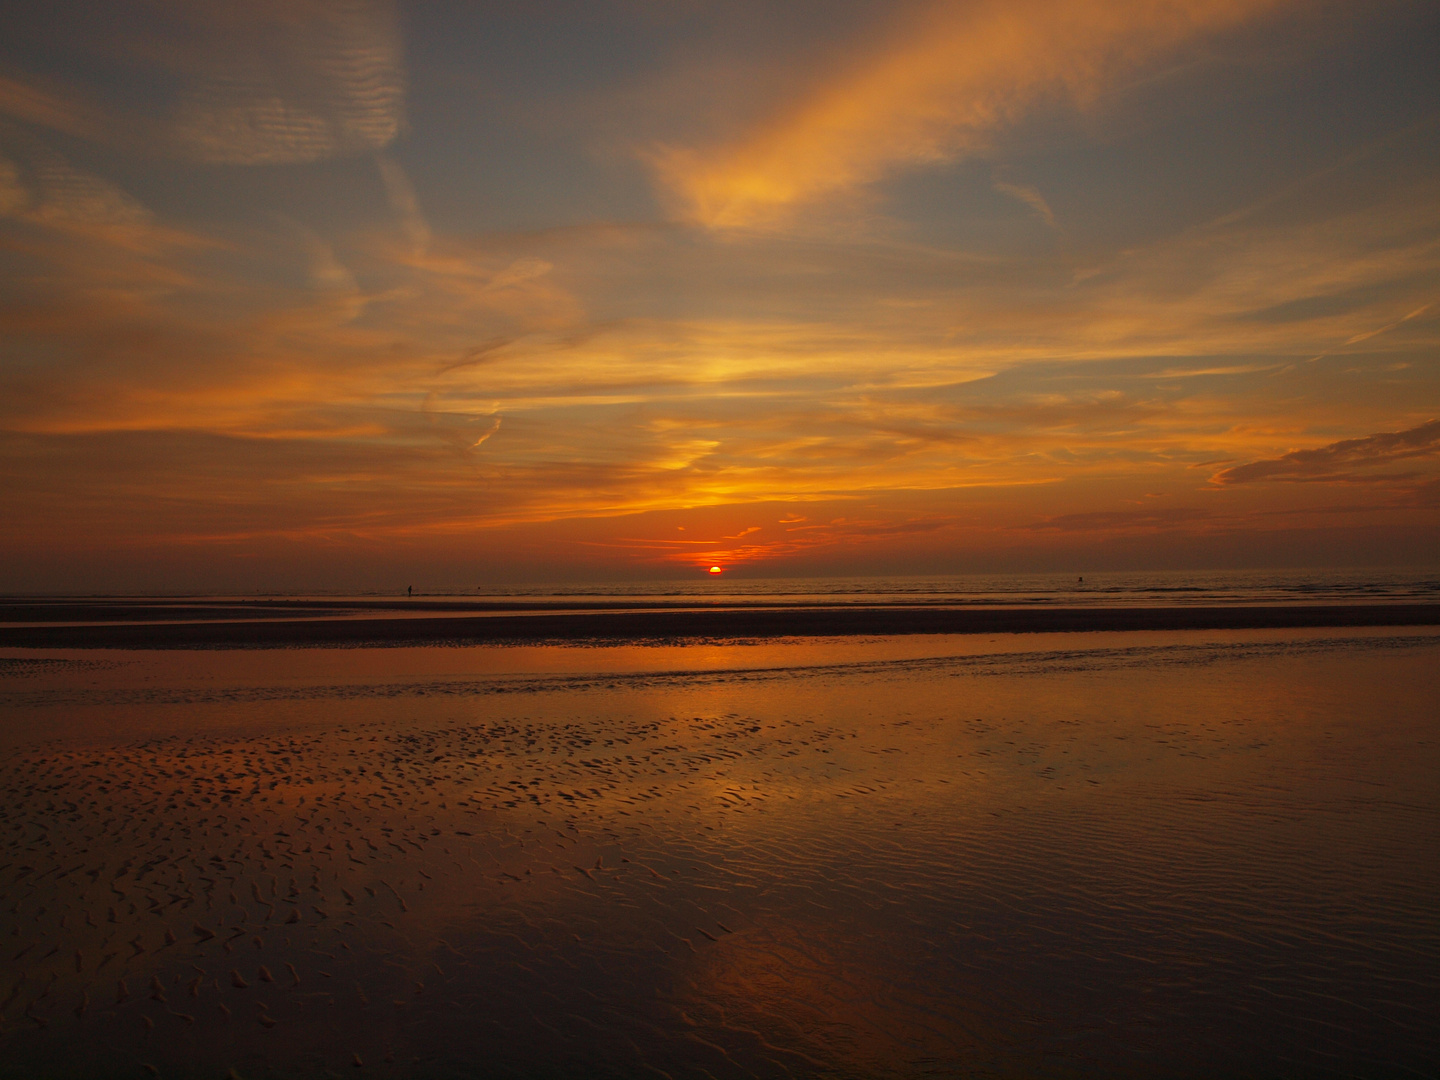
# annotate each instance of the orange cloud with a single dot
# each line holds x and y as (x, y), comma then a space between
(943, 85)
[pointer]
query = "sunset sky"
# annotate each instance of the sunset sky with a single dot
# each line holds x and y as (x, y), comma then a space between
(336, 294)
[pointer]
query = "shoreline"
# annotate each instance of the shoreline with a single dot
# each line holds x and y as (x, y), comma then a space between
(619, 625)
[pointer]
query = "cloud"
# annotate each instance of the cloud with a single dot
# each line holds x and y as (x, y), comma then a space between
(259, 82)
(1030, 197)
(326, 270)
(1366, 335)
(1339, 460)
(14, 197)
(943, 85)
(490, 430)
(1128, 520)
(521, 271)
(263, 82)
(710, 543)
(45, 189)
(58, 110)
(401, 195)
(68, 195)
(294, 82)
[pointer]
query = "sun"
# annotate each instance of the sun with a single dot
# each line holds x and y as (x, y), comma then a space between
(716, 570)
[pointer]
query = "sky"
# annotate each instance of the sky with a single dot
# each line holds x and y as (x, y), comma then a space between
(344, 294)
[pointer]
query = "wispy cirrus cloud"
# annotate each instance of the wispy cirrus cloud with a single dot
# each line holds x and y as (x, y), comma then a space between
(59, 109)
(942, 84)
(295, 82)
(40, 186)
(248, 83)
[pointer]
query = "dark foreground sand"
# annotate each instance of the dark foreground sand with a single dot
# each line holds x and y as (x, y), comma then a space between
(1185, 858)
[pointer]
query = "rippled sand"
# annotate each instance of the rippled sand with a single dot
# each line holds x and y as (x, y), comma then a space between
(1052, 855)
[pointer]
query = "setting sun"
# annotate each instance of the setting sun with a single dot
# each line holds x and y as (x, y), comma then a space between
(716, 570)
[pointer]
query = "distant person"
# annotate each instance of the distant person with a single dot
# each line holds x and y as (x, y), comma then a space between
(409, 590)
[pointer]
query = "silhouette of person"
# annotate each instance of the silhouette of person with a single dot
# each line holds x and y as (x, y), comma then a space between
(409, 590)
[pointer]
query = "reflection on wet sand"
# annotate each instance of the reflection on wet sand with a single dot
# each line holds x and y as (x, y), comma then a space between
(1100, 862)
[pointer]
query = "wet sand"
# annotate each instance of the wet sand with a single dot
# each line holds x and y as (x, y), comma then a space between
(1134, 855)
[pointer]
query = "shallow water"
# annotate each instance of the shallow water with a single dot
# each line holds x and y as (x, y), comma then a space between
(1052, 855)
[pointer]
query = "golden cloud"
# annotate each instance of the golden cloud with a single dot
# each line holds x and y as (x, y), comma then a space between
(941, 86)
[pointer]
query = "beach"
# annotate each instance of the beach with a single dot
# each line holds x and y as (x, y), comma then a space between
(1147, 853)
(703, 541)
